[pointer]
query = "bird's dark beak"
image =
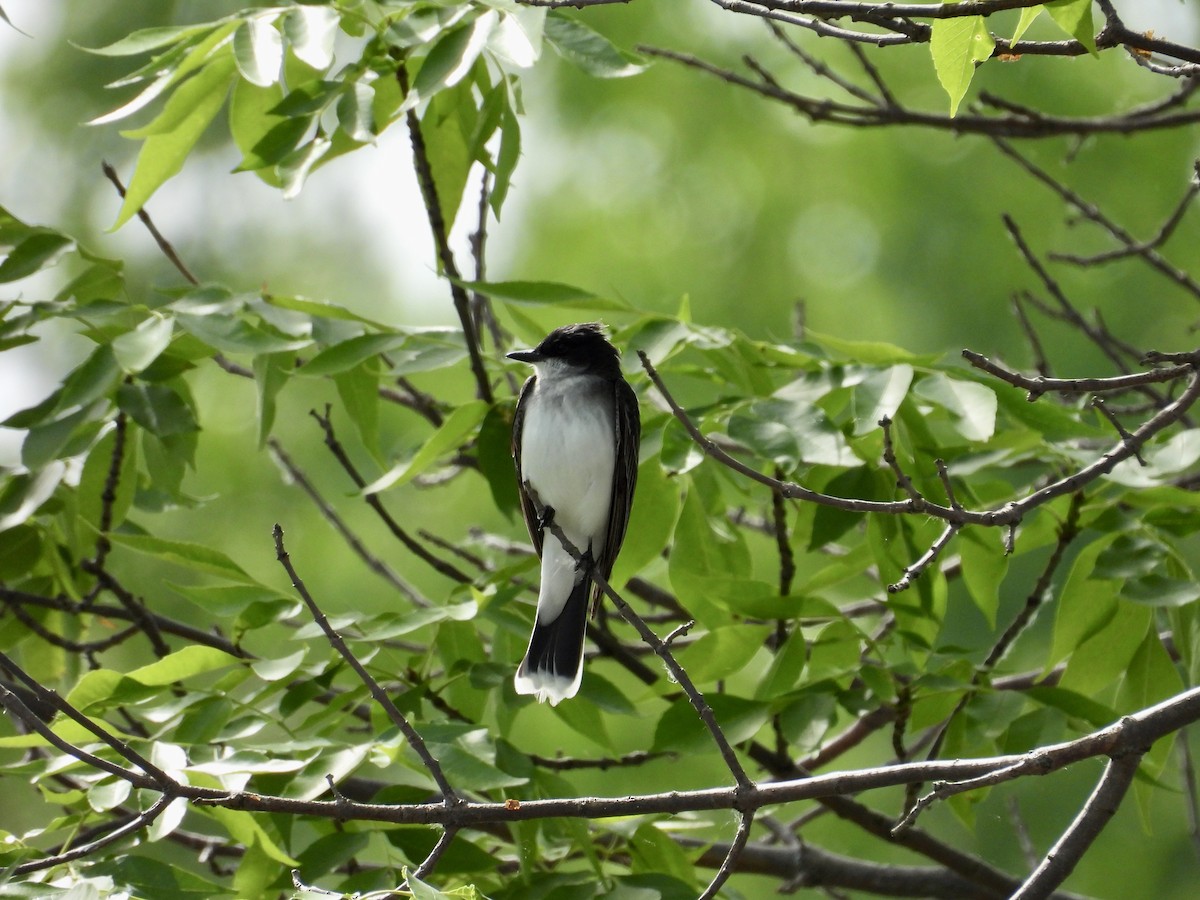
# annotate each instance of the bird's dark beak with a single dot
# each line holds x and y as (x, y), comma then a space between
(525, 356)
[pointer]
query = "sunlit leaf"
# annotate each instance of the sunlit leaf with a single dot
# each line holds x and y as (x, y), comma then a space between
(448, 436)
(972, 406)
(311, 31)
(258, 51)
(356, 112)
(1075, 18)
(189, 111)
(136, 349)
(589, 49)
(957, 44)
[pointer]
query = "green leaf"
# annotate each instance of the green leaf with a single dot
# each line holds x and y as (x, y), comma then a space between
(1051, 420)
(984, 565)
(806, 721)
(1075, 18)
(192, 556)
(972, 406)
(506, 158)
(229, 600)
(246, 831)
(156, 408)
(230, 334)
(258, 51)
(136, 349)
(879, 395)
(705, 549)
(836, 650)
(165, 71)
(319, 309)
(1085, 604)
(62, 437)
(154, 878)
(1156, 589)
(36, 252)
(343, 356)
(359, 390)
(311, 31)
(590, 50)
(517, 38)
(356, 113)
(449, 436)
(277, 669)
(680, 728)
(329, 853)
(1103, 657)
(19, 550)
(494, 452)
(655, 851)
(545, 293)
(182, 664)
(271, 371)
(146, 39)
(722, 652)
(93, 379)
(446, 127)
(108, 794)
(789, 432)
(875, 353)
(1074, 704)
(586, 719)
(294, 168)
(309, 98)
(171, 136)
(1028, 14)
(451, 58)
(957, 44)
(652, 520)
(784, 674)
(275, 145)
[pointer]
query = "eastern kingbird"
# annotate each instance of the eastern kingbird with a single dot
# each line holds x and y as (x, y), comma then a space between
(575, 443)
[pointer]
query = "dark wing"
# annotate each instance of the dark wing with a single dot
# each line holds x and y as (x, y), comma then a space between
(627, 424)
(527, 507)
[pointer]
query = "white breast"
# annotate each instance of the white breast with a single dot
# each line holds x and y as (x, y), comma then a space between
(567, 454)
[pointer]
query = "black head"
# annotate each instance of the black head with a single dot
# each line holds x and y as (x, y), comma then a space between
(582, 346)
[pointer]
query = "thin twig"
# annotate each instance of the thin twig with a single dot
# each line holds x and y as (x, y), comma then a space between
(1040, 363)
(438, 851)
(374, 563)
(729, 864)
(137, 823)
(335, 447)
(1098, 403)
(914, 569)
(1191, 795)
(163, 244)
(1040, 384)
(1093, 214)
(695, 697)
(378, 694)
(441, 239)
(1096, 813)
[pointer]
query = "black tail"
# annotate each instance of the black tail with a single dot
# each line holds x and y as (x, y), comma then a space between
(552, 663)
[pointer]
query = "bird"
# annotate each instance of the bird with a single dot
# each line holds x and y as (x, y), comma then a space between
(575, 442)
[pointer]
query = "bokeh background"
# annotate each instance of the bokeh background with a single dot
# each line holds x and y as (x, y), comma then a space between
(667, 185)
